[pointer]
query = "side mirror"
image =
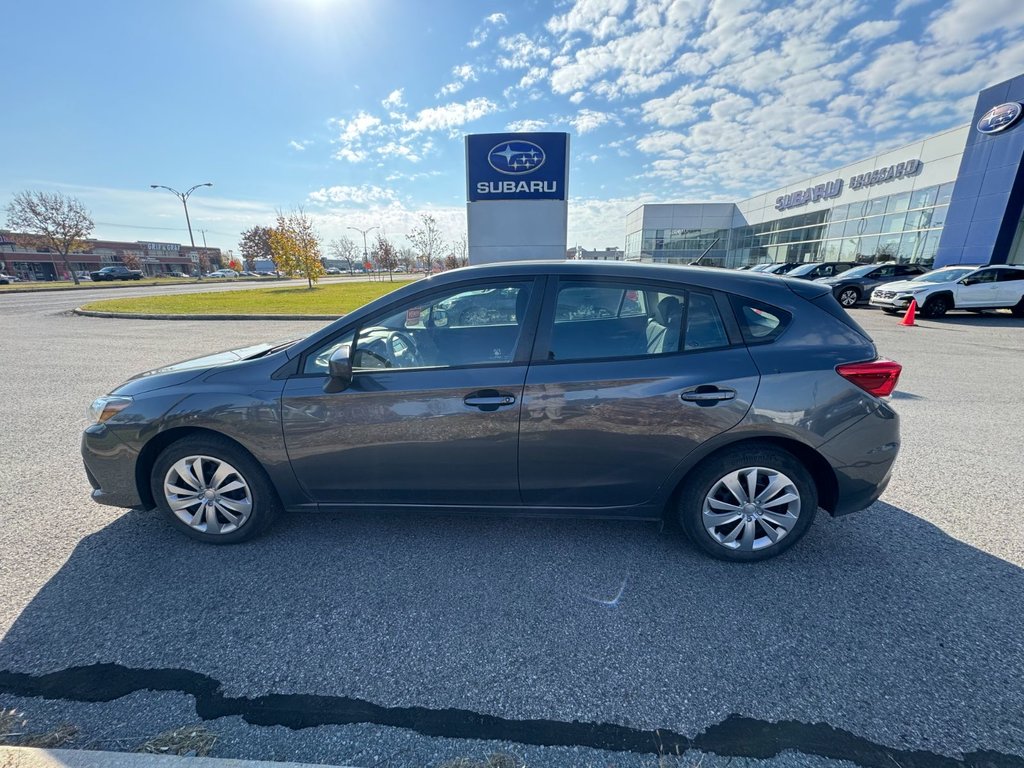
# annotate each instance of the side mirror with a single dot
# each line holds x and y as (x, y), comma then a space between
(968, 281)
(339, 369)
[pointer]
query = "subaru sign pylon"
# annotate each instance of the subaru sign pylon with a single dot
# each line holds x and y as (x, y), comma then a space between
(517, 196)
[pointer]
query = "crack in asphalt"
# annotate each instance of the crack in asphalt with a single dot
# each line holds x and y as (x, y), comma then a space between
(736, 736)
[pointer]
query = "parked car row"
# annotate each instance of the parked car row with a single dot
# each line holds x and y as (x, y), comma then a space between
(891, 287)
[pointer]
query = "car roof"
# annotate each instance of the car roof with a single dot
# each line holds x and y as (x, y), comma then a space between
(736, 281)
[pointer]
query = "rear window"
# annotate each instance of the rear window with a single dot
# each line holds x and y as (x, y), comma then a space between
(760, 322)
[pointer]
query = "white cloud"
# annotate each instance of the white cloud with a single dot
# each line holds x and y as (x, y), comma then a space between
(526, 126)
(449, 116)
(598, 18)
(482, 32)
(587, 120)
(462, 74)
(368, 193)
(521, 52)
(299, 146)
(394, 100)
(873, 30)
(971, 19)
(354, 129)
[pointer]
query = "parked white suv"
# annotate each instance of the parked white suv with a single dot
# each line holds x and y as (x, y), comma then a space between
(956, 287)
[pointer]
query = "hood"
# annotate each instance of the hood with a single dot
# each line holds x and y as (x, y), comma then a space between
(910, 285)
(179, 373)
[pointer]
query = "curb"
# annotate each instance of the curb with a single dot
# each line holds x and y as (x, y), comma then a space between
(27, 757)
(142, 316)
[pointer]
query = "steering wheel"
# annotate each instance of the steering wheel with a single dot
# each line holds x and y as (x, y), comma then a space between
(410, 357)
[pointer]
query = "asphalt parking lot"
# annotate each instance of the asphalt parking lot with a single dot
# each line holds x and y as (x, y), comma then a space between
(891, 637)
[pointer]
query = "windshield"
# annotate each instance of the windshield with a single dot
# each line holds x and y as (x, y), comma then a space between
(803, 269)
(943, 275)
(860, 271)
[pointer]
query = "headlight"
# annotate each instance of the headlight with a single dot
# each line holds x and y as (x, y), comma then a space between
(103, 408)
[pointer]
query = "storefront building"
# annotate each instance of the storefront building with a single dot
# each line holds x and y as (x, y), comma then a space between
(953, 198)
(22, 257)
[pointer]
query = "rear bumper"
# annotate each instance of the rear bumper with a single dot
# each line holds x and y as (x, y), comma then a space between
(110, 467)
(863, 457)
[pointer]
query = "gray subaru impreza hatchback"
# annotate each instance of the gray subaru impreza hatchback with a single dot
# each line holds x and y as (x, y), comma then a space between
(735, 403)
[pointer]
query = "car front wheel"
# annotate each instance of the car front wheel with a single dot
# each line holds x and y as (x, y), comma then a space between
(848, 297)
(936, 306)
(748, 503)
(213, 491)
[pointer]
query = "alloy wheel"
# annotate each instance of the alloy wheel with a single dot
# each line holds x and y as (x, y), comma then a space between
(208, 494)
(848, 298)
(751, 509)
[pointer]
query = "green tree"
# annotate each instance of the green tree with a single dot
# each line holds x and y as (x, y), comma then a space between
(61, 222)
(255, 244)
(295, 246)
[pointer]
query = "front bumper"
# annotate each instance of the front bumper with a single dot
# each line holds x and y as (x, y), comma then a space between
(110, 467)
(890, 300)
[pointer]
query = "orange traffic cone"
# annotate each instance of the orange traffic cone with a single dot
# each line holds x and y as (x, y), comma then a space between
(908, 319)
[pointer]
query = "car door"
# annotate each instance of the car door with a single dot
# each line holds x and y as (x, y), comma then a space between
(1010, 287)
(628, 377)
(978, 289)
(432, 413)
(874, 278)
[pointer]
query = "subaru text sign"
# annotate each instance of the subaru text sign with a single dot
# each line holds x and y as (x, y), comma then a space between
(516, 166)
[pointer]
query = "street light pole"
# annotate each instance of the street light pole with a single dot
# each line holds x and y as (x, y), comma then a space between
(363, 231)
(183, 196)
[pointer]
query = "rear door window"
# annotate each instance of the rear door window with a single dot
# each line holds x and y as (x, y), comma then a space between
(595, 321)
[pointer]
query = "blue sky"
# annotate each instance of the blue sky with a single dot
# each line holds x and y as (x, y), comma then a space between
(356, 109)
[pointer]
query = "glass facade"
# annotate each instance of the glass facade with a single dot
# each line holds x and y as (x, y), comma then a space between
(904, 227)
(677, 246)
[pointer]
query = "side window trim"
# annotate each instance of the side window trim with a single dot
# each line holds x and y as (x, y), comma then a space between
(524, 343)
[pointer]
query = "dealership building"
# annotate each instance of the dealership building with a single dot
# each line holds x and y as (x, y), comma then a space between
(953, 198)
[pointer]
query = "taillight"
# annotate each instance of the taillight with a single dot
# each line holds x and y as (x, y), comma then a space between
(877, 377)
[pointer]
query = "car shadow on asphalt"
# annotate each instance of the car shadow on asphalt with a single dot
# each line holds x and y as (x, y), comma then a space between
(874, 619)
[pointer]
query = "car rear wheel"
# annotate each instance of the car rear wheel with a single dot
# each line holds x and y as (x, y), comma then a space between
(1018, 309)
(748, 503)
(936, 306)
(213, 491)
(848, 297)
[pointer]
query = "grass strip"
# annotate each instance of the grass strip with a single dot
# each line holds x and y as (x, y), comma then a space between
(336, 299)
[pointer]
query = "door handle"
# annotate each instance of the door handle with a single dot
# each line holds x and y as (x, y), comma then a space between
(707, 395)
(489, 399)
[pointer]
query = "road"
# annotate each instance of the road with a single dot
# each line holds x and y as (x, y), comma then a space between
(891, 637)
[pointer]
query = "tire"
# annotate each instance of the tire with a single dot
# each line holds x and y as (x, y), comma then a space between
(238, 513)
(1017, 310)
(730, 540)
(936, 306)
(891, 311)
(848, 297)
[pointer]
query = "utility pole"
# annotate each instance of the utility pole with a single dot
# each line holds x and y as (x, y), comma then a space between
(183, 196)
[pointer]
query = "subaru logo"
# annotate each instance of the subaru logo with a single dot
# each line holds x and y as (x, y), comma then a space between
(516, 158)
(1000, 118)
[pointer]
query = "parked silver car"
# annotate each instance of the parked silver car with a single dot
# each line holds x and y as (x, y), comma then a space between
(734, 402)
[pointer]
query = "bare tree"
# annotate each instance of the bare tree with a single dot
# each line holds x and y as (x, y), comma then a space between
(460, 250)
(427, 240)
(407, 258)
(385, 255)
(61, 222)
(344, 249)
